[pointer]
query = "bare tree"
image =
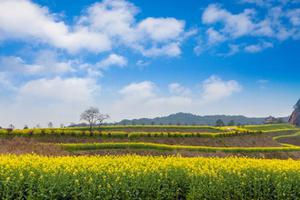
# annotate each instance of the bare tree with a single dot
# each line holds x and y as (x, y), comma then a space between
(101, 118)
(50, 125)
(92, 115)
(11, 126)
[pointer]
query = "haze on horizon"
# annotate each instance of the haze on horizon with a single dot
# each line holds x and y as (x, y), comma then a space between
(136, 59)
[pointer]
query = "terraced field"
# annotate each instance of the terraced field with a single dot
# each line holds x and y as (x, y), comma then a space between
(274, 141)
(159, 162)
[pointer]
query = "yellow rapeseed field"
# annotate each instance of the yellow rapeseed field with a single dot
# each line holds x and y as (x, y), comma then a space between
(138, 177)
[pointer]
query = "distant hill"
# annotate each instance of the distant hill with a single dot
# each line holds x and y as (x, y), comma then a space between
(191, 119)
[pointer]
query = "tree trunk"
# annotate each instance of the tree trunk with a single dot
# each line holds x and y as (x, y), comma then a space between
(91, 127)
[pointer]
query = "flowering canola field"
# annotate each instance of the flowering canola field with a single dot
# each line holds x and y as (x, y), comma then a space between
(137, 177)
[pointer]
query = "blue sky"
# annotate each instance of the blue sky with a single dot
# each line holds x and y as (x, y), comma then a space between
(147, 58)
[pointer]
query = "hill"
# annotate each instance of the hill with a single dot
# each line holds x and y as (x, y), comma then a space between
(191, 119)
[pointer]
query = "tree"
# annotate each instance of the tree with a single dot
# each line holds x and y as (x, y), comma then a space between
(50, 125)
(220, 122)
(101, 118)
(11, 126)
(280, 121)
(25, 126)
(92, 115)
(231, 123)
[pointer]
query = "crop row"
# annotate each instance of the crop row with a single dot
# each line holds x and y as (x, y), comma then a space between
(166, 147)
(120, 134)
(271, 127)
(287, 136)
(136, 177)
(152, 127)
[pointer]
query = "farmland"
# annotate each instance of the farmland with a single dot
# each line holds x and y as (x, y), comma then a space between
(151, 162)
(254, 140)
(136, 177)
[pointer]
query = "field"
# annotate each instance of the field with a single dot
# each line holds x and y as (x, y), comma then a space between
(151, 162)
(136, 177)
(259, 141)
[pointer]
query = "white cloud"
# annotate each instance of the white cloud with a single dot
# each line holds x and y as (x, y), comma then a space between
(45, 63)
(112, 17)
(235, 25)
(112, 60)
(22, 19)
(262, 3)
(214, 36)
(67, 90)
(142, 63)
(233, 49)
(161, 29)
(274, 21)
(102, 27)
(171, 50)
(255, 48)
(60, 100)
(145, 99)
(6, 84)
(294, 16)
(178, 89)
(169, 104)
(138, 91)
(215, 89)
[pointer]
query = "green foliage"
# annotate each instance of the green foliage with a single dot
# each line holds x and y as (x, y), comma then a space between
(137, 177)
(231, 123)
(222, 132)
(165, 147)
(270, 127)
(220, 122)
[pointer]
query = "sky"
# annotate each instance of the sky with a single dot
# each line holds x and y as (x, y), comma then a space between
(142, 58)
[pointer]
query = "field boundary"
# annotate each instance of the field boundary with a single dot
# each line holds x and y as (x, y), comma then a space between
(165, 147)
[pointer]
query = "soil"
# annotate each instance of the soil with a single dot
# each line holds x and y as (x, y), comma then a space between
(46, 146)
(237, 141)
(291, 140)
(268, 155)
(20, 145)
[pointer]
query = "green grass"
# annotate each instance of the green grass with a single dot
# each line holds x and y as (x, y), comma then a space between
(277, 138)
(270, 127)
(165, 147)
(287, 136)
